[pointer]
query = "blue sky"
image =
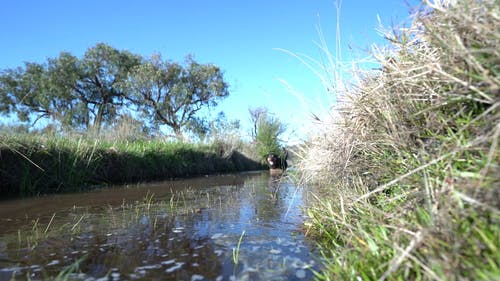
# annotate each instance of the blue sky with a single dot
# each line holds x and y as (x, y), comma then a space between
(241, 37)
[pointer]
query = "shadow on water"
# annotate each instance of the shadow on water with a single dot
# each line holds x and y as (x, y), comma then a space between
(182, 230)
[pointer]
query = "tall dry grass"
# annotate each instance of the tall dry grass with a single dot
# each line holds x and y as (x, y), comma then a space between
(408, 169)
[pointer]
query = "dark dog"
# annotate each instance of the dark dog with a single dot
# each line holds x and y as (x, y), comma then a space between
(276, 162)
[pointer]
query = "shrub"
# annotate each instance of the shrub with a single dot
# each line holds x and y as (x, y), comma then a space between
(267, 136)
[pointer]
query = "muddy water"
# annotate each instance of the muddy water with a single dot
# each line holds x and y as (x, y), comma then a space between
(233, 227)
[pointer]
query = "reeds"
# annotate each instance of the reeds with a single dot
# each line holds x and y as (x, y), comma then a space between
(409, 165)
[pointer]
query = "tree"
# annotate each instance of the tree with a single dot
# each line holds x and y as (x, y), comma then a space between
(267, 134)
(63, 74)
(171, 94)
(222, 128)
(218, 129)
(255, 116)
(27, 92)
(75, 92)
(103, 69)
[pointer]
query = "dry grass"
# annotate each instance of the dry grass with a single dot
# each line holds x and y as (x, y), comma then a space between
(410, 164)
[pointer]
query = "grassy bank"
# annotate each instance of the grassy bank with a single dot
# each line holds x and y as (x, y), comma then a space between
(407, 176)
(36, 164)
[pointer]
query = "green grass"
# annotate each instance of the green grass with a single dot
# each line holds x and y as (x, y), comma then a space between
(36, 164)
(408, 186)
(236, 251)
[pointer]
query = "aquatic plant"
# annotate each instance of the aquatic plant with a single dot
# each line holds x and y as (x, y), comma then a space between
(66, 273)
(407, 170)
(236, 251)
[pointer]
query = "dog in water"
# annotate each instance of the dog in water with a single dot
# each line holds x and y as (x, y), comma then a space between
(276, 162)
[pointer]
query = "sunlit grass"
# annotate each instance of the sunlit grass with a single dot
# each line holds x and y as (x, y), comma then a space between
(408, 168)
(35, 164)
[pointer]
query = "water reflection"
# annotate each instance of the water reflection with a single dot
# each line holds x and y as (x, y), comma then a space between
(185, 231)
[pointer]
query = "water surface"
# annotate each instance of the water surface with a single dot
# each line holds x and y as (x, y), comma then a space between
(175, 230)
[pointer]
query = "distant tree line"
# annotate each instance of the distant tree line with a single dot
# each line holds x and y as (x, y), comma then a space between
(91, 92)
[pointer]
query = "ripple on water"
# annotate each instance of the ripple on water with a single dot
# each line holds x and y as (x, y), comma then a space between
(148, 267)
(168, 262)
(177, 266)
(275, 251)
(197, 277)
(54, 262)
(301, 274)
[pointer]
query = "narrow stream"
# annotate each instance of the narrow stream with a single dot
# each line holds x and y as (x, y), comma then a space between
(233, 227)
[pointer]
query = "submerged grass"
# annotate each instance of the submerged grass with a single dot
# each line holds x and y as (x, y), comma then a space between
(70, 224)
(36, 164)
(236, 251)
(73, 236)
(408, 175)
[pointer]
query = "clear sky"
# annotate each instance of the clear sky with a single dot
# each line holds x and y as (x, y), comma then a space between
(239, 36)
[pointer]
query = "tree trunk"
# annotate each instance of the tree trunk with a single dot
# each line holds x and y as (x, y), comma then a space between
(98, 118)
(178, 134)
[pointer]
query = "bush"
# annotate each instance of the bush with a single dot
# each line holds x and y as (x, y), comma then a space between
(267, 140)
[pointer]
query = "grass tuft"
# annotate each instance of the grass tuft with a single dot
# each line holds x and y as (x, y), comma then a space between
(407, 172)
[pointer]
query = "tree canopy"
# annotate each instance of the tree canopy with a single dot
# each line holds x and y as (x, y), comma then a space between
(172, 94)
(94, 90)
(266, 131)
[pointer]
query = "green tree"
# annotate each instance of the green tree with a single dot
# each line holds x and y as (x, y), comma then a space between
(103, 69)
(26, 91)
(223, 128)
(199, 128)
(171, 94)
(63, 75)
(218, 129)
(267, 132)
(75, 92)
